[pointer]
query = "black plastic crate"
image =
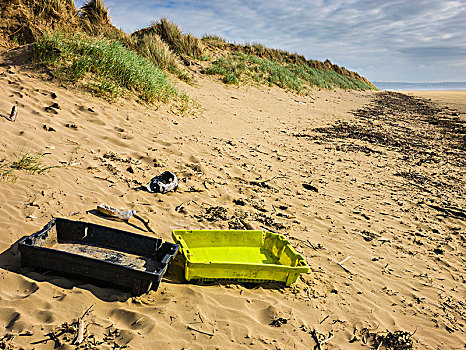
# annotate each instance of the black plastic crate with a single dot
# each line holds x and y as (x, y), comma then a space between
(99, 253)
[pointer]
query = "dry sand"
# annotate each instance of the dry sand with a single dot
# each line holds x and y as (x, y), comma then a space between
(406, 265)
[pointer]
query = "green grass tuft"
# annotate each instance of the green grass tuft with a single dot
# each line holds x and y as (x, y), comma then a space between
(30, 162)
(298, 77)
(104, 67)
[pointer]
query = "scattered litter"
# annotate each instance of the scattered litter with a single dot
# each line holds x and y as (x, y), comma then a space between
(116, 213)
(163, 183)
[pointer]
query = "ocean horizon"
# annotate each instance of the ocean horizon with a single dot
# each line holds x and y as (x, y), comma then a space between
(406, 86)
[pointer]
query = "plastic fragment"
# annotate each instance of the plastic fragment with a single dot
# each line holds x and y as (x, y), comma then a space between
(116, 213)
(163, 183)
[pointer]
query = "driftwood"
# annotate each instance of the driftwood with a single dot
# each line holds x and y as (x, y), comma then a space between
(80, 333)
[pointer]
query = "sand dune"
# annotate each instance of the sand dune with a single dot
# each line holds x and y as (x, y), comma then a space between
(406, 265)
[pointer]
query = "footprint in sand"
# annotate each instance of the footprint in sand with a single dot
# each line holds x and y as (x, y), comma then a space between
(9, 319)
(45, 316)
(129, 321)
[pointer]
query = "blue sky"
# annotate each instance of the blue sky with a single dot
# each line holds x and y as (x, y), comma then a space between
(384, 40)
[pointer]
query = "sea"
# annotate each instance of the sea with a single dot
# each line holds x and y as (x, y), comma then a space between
(405, 86)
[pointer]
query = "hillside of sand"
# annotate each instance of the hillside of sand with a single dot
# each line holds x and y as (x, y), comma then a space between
(384, 182)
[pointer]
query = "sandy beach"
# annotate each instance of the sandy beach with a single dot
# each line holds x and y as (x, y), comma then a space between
(389, 177)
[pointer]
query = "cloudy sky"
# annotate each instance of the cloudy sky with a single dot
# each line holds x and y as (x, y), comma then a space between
(384, 40)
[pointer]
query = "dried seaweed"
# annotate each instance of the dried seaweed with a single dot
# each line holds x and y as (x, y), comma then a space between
(398, 340)
(216, 213)
(410, 125)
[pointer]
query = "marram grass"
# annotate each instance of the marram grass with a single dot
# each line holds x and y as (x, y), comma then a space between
(297, 77)
(26, 161)
(105, 67)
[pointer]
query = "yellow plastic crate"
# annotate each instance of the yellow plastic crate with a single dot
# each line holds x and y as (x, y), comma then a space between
(242, 255)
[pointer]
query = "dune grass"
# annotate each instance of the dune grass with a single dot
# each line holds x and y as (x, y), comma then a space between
(180, 43)
(27, 161)
(298, 77)
(105, 67)
(151, 46)
(95, 12)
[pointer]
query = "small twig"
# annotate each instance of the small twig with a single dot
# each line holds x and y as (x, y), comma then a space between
(103, 178)
(199, 331)
(88, 311)
(311, 244)
(324, 319)
(268, 229)
(135, 322)
(246, 224)
(341, 262)
(366, 238)
(307, 245)
(316, 339)
(257, 150)
(330, 337)
(200, 317)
